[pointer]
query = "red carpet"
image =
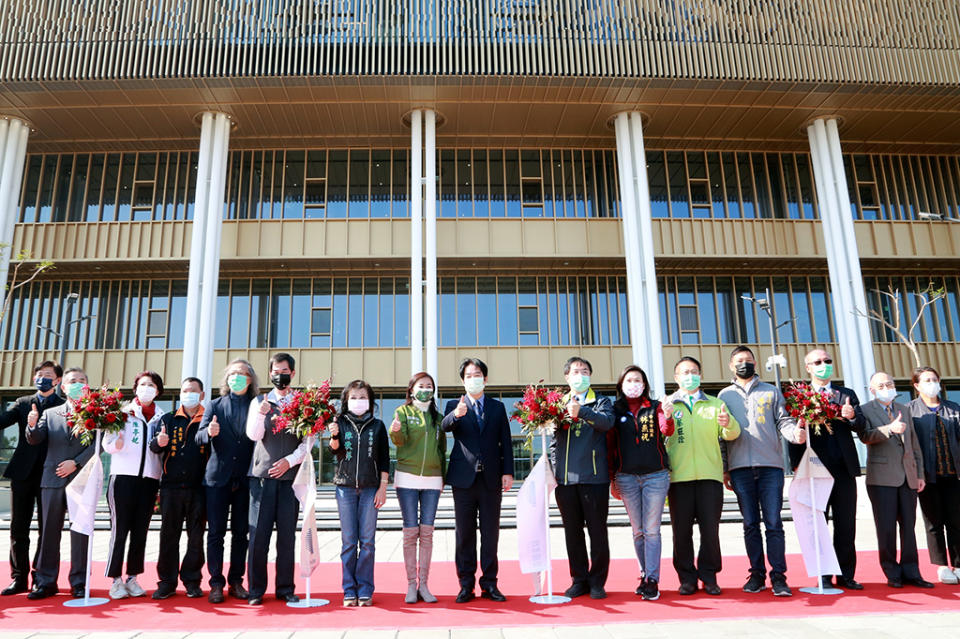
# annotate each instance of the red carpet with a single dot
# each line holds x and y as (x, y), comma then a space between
(181, 614)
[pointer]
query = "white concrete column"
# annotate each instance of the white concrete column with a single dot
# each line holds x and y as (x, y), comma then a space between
(13, 154)
(430, 213)
(643, 305)
(207, 223)
(843, 257)
(416, 241)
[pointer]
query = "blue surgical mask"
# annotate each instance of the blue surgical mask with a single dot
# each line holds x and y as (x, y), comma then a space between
(43, 384)
(189, 400)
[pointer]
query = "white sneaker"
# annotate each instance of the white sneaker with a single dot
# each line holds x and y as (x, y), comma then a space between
(133, 588)
(118, 590)
(956, 571)
(947, 576)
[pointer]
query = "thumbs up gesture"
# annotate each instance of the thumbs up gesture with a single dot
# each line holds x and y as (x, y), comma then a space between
(395, 425)
(163, 439)
(461, 408)
(33, 416)
(573, 407)
(846, 411)
(214, 428)
(897, 426)
(265, 407)
(333, 429)
(723, 419)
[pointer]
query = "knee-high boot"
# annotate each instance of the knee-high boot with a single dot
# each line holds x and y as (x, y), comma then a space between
(410, 562)
(426, 552)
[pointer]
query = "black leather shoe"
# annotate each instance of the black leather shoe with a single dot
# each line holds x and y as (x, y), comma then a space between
(919, 582)
(465, 595)
(712, 589)
(576, 589)
(687, 589)
(194, 591)
(289, 598)
(78, 592)
(849, 584)
(237, 591)
(41, 593)
(492, 593)
(597, 592)
(216, 595)
(827, 581)
(894, 583)
(163, 592)
(255, 601)
(15, 588)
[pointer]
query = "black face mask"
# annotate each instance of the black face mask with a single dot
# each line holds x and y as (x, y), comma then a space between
(280, 380)
(746, 370)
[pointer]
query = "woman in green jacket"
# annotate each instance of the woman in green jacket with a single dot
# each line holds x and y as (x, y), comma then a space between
(421, 458)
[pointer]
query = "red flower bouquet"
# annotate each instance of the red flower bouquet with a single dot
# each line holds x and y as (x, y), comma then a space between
(811, 408)
(306, 413)
(96, 410)
(543, 409)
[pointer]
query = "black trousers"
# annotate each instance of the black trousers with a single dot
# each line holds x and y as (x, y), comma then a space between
(699, 501)
(272, 503)
(179, 506)
(54, 509)
(24, 497)
(586, 505)
(131, 500)
(842, 509)
(892, 507)
(469, 504)
(940, 505)
(233, 500)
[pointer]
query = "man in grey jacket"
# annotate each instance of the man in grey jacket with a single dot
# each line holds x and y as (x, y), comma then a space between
(65, 456)
(754, 467)
(894, 477)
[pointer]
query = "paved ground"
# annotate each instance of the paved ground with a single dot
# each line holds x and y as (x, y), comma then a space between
(389, 549)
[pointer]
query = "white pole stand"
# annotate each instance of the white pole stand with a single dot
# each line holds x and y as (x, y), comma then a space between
(818, 589)
(549, 598)
(308, 601)
(87, 600)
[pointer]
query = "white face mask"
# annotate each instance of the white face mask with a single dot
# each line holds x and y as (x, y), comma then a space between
(189, 400)
(146, 394)
(424, 406)
(886, 395)
(633, 390)
(473, 385)
(358, 406)
(930, 389)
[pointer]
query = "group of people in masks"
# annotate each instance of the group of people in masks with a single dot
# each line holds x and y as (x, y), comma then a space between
(226, 468)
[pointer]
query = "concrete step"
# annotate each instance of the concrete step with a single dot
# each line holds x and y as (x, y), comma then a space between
(390, 518)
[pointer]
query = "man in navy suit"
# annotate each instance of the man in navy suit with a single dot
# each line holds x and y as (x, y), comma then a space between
(480, 469)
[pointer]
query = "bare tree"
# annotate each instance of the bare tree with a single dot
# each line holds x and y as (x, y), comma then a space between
(925, 298)
(17, 264)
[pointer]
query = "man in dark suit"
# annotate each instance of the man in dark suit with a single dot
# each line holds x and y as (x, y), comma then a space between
(480, 469)
(838, 453)
(894, 477)
(65, 456)
(25, 471)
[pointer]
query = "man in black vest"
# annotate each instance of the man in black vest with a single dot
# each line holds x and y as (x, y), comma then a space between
(839, 455)
(272, 500)
(480, 469)
(25, 470)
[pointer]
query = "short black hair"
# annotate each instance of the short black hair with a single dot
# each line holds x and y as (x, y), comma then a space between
(575, 360)
(692, 360)
(49, 363)
(741, 349)
(193, 380)
(283, 357)
(476, 362)
(77, 369)
(154, 377)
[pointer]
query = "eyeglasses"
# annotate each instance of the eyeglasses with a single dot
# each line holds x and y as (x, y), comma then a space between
(817, 362)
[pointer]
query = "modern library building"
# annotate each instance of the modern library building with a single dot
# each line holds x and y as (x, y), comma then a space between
(385, 186)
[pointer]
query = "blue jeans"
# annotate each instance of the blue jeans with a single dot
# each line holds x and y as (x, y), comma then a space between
(644, 496)
(358, 527)
(760, 492)
(413, 500)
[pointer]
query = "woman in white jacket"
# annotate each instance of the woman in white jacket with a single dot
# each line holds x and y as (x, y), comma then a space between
(134, 480)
